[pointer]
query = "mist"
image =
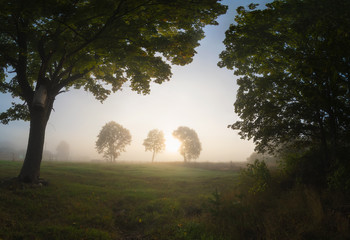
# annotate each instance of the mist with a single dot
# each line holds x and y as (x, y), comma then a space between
(199, 95)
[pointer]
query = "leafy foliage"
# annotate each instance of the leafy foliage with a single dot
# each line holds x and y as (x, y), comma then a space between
(96, 45)
(155, 142)
(262, 207)
(339, 178)
(258, 175)
(16, 112)
(112, 140)
(190, 147)
(293, 61)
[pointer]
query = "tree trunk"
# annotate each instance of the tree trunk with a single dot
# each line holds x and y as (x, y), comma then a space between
(39, 116)
(154, 153)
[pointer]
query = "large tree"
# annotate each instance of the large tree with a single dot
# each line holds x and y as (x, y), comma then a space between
(155, 142)
(190, 147)
(112, 140)
(49, 46)
(293, 59)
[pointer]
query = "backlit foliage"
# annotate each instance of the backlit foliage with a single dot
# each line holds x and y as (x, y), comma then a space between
(112, 140)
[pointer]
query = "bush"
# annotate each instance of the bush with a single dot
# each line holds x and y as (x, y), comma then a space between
(256, 177)
(339, 178)
(305, 167)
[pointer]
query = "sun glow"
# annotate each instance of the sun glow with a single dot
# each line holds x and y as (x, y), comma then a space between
(172, 144)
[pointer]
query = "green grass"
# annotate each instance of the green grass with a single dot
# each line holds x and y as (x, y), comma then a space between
(112, 201)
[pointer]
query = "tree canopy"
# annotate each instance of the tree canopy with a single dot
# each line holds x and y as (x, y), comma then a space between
(97, 45)
(190, 147)
(155, 142)
(112, 140)
(293, 61)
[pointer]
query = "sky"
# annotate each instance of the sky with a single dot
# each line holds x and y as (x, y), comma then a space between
(199, 95)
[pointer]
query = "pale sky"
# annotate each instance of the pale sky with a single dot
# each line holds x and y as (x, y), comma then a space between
(199, 95)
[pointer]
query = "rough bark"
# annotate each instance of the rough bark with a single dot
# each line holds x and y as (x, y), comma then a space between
(39, 116)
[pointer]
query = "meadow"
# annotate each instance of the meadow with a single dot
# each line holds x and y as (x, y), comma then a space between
(114, 201)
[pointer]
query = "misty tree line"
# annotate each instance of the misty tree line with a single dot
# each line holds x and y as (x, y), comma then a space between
(113, 139)
(9, 152)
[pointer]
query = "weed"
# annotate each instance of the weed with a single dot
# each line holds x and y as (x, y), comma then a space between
(215, 202)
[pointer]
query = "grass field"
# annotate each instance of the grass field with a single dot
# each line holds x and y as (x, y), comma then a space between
(112, 201)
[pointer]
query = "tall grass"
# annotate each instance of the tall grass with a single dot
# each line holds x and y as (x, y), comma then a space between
(262, 207)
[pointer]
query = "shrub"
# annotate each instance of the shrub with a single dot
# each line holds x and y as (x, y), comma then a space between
(256, 177)
(339, 178)
(305, 167)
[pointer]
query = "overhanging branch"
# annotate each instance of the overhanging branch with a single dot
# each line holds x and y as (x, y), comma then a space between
(7, 87)
(71, 79)
(21, 68)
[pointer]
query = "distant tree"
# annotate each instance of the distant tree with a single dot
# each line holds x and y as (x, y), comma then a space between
(62, 150)
(293, 59)
(112, 140)
(269, 159)
(190, 145)
(155, 142)
(48, 47)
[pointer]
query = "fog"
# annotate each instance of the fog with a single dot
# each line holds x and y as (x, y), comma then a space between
(199, 95)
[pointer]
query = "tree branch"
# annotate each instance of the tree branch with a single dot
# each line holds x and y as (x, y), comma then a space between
(72, 29)
(71, 79)
(8, 58)
(109, 21)
(21, 68)
(59, 66)
(7, 87)
(114, 16)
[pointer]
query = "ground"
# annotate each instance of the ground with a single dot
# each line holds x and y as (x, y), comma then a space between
(113, 201)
